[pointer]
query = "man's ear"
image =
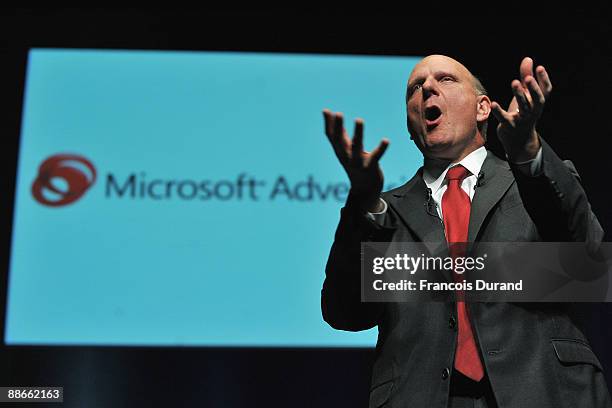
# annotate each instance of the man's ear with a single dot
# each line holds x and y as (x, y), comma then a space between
(483, 108)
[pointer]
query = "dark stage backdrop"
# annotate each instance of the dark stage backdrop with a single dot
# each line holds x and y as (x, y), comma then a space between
(575, 49)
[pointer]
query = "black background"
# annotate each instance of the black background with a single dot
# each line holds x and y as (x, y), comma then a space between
(575, 49)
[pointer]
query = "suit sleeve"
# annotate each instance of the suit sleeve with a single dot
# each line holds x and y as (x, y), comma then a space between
(341, 303)
(556, 201)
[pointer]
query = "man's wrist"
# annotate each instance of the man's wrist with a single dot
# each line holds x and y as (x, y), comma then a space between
(365, 203)
(527, 152)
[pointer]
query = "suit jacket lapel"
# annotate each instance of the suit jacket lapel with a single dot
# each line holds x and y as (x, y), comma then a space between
(497, 179)
(410, 202)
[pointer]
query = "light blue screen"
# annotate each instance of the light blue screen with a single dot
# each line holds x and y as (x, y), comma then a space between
(204, 259)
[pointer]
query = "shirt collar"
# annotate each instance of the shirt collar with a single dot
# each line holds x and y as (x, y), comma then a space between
(434, 176)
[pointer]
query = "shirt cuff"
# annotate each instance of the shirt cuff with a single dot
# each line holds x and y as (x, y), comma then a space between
(531, 167)
(378, 216)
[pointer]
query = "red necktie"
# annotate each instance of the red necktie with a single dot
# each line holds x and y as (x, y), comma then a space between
(456, 211)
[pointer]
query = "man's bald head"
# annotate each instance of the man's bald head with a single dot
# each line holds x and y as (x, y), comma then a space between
(447, 108)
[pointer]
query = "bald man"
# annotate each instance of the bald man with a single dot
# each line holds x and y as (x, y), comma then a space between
(464, 354)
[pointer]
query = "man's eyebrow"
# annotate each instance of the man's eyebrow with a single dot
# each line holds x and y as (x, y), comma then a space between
(445, 73)
(437, 74)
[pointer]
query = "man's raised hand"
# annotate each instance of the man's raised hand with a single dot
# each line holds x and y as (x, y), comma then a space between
(362, 168)
(517, 125)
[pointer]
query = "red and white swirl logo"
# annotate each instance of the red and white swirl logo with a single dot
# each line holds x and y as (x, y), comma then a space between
(62, 179)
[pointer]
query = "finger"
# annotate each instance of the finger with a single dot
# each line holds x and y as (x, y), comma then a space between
(520, 94)
(338, 128)
(513, 106)
(538, 98)
(378, 152)
(526, 68)
(357, 146)
(329, 120)
(544, 80)
(501, 115)
(338, 138)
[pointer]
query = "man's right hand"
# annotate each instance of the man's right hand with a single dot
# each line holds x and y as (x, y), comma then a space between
(362, 167)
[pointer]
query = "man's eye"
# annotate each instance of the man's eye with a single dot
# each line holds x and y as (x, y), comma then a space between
(446, 79)
(411, 90)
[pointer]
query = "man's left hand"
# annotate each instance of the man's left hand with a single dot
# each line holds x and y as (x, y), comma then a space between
(517, 126)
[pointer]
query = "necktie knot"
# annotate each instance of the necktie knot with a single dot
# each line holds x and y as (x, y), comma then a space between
(457, 173)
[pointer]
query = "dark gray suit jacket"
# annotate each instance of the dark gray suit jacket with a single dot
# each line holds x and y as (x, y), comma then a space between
(535, 355)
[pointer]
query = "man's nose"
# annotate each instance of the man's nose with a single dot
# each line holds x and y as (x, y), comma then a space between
(430, 87)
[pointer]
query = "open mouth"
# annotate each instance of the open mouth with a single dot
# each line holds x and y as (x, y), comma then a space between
(433, 115)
